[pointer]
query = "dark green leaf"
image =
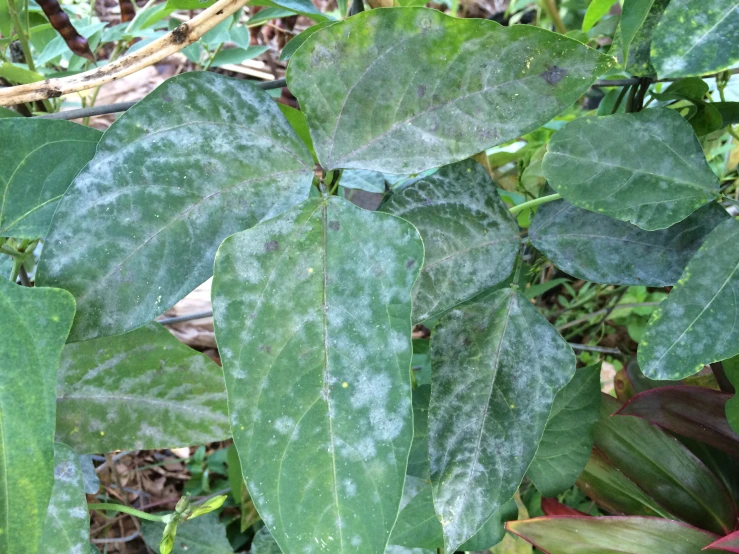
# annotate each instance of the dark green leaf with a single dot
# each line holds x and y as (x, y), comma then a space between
(598, 248)
(469, 236)
(362, 179)
(608, 535)
(203, 535)
(633, 15)
(656, 178)
(696, 37)
(639, 62)
(729, 112)
(696, 324)
(38, 161)
(289, 49)
(496, 366)
(614, 492)
(418, 461)
(237, 55)
(34, 325)
(263, 543)
(140, 390)
(664, 469)
(312, 314)
(67, 527)
(7, 112)
(568, 437)
(303, 7)
(731, 368)
(693, 89)
(198, 159)
(417, 89)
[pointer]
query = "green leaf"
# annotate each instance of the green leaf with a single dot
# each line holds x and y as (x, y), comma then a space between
(204, 535)
(471, 239)
(303, 7)
(596, 10)
(200, 158)
(300, 125)
(418, 460)
(140, 390)
(607, 535)
(18, 74)
(269, 14)
(729, 112)
(67, 527)
(417, 89)
(34, 326)
(496, 367)
(664, 469)
(263, 543)
(38, 161)
(655, 179)
(362, 179)
(614, 492)
(7, 112)
(189, 4)
(568, 437)
(696, 324)
(297, 41)
(731, 368)
(6, 25)
(312, 317)
(696, 37)
(598, 248)
(237, 55)
(633, 15)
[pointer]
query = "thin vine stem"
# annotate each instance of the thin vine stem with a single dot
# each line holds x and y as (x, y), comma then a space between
(535, 202)
(130, 511)
(22, 38)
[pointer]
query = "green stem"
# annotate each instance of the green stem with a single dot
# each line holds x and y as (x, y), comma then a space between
(551, 8)
(11, 252)
(535, 202)
(130, 511)
(21, 34)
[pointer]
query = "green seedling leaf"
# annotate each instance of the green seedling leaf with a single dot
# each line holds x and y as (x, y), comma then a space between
(417, 89)
(38, 161)
(67, 527)
(656, 178)
(696, 37)
(598, 248)
(471, 239)
(605, 535)
(35, 324)
(140, 390)
(200, 158)
(312, 317)
(695, 325)
(568, 437)
(497, 365)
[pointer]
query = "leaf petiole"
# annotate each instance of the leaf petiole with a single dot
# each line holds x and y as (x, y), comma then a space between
(130, 511)
(535, 202)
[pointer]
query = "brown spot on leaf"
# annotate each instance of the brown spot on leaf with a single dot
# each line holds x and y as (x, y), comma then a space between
(421, 91)
(265, 348)
(553, 75)
(334, 225)
(410, 263)
(271, 246)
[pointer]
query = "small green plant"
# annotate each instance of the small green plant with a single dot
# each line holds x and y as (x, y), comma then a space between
(351, 435)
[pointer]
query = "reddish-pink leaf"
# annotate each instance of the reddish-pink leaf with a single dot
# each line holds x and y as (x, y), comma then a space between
(553, 507)
(729, 543)
(694, 412)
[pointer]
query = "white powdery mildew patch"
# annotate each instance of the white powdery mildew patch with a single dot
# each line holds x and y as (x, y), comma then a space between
(497, 365)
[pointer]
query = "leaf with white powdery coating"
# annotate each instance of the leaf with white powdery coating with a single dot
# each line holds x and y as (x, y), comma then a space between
(38, 161)
(67, 528)
(568, 437)
(140, 390)
(497, 365)
(38, 320)
(417, 89)
(312, 317)
(696, 37)
(655, 179)
(601, 249)
(696, 324)
(200, 158)
(471, 239)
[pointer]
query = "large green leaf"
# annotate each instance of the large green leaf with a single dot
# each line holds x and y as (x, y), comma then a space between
(202, 535)
(696, 37)
(470, 238)
(312, 313)
(67, 527)
(568, 437)
(656, 178)
(496, 366)
(200, 158)
(402, 90)
(142, 389)
(34, 326)
(598, 248)
(418, 460)
(38, 161)
(664, 469)
(633, 15)
(696, 324)
(610, 535)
